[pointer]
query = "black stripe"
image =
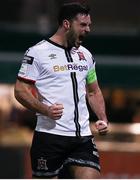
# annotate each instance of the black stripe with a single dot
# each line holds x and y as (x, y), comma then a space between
(76, 100)
(68, 55)
(75, 94)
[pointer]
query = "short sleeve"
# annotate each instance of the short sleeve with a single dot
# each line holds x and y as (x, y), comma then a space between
(29, 69)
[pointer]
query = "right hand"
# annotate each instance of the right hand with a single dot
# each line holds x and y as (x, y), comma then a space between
(55, 111)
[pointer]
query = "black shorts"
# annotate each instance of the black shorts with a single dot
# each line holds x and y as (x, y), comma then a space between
(50, 153)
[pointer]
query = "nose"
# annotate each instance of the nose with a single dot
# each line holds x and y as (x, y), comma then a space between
(87, 29)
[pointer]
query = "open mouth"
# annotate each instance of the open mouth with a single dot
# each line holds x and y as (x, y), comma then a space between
(81, 37)
(79, 40)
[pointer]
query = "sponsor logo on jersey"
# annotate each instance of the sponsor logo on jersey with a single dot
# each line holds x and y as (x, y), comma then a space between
(70, 67)
(28, 59)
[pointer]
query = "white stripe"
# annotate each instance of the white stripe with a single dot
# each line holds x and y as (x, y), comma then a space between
(82, 162)
(54, 173)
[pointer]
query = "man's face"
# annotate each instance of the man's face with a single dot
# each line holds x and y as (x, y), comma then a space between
(79, 28)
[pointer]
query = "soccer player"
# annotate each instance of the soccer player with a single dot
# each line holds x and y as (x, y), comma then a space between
(63, 74)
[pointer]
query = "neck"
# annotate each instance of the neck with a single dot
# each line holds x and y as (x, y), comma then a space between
(60, 38)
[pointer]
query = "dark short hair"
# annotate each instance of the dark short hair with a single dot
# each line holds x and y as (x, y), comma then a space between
(70, 10)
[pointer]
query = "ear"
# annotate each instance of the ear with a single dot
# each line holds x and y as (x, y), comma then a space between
(66, 24)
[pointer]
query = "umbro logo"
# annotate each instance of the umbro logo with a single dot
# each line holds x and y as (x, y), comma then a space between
(52, 56)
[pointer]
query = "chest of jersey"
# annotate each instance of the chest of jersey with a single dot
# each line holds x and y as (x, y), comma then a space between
(63, 62)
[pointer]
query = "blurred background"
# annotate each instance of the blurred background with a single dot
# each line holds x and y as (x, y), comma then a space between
(115, 42)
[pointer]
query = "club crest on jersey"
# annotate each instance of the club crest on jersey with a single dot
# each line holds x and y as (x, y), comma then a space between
(28, 59)
(81, 56)
(52, 56)
(42, 164)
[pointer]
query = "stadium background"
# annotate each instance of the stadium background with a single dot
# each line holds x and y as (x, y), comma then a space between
(114, 40)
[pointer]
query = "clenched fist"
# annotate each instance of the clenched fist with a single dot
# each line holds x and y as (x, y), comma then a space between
(102, 127)
(55, 111)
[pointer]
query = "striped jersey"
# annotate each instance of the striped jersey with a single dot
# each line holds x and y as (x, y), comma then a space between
(60, 75)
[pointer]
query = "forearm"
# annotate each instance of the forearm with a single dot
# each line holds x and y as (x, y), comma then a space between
(26, 98)
(97, 104)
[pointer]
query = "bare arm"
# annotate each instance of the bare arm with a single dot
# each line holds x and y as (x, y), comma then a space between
(96, 101)
(24, 95)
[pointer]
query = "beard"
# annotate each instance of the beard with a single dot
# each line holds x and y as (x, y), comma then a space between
(74, 40)
(71, 39)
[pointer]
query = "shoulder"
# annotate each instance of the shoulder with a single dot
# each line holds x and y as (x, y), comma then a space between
(85, 50)
(40, 45)
(38, 48)
(87, 53)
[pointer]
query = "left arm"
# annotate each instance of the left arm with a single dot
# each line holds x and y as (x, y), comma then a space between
(96, 101)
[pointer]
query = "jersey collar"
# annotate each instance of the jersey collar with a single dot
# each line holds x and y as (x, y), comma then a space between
(58, 45)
